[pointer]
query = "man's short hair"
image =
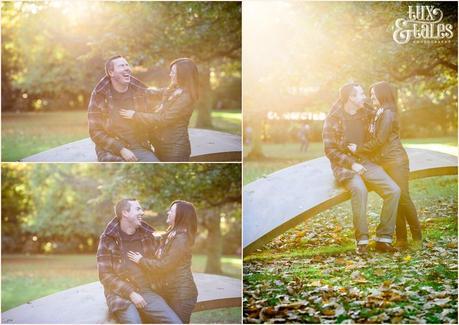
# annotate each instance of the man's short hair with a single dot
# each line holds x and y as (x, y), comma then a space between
(347, 90)
(109, 64)
(123, 205)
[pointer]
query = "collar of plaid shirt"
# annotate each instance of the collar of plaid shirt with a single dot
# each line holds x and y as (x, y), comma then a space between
(113, 228)
(104, 84)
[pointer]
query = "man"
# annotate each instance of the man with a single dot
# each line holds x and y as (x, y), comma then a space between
(127, 287)
(303, 134)
(346, 123)
(118, 139)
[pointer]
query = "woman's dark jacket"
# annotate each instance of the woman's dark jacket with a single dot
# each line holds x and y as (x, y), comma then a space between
(174, 269)
(169, 125)
(384, 146)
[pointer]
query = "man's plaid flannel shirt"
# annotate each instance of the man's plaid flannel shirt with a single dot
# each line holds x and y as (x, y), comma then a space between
(341, 159)
(112, 271)
(99, 108)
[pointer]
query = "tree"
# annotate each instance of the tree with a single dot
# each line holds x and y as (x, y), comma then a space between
(56, 50)
(16, 204)
(311, 49)
(65, 207)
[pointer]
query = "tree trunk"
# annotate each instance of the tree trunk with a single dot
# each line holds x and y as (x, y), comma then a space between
(214, 242)
(204, 105)
(256, 152)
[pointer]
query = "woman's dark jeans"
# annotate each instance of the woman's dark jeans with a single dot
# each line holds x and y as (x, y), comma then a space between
(183, 307)
(400, 172)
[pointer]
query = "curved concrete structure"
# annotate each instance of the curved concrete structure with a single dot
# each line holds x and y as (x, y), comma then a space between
(206, 145)
(280, 201)
(86, 304)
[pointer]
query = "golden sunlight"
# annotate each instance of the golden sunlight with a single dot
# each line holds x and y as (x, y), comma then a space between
(73, 10)
(287, 57)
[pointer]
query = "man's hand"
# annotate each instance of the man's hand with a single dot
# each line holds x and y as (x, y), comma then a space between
(134, 256)
(358, 168)
(128, 155)
(127, 113)
(137, 300)
(352, 147)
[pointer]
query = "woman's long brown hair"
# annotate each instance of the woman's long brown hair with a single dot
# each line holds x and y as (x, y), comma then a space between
(185, 219)
(187, 76)
(386, 94)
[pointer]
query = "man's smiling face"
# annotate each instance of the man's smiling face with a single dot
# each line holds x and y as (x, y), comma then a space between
(134, 214)
(120, 71)
(358, 97)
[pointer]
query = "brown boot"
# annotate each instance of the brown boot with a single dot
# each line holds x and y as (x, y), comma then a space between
(385, 247)
(362, 250)
(401, 244)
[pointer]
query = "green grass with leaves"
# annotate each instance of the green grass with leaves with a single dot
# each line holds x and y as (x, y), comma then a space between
(29, 277)
(25, 134)
(311, 273)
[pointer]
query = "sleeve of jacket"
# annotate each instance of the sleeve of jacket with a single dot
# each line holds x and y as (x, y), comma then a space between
(96, 125)
(171, 259)
(333, 149)
(382, 132)
(179, 110)
(107, 276)
(155, 93)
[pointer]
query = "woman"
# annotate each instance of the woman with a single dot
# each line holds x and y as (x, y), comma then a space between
(173, 260)
(387, 151)
(169, 123)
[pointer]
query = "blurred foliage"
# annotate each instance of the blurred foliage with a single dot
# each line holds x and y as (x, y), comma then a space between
(16, 203)
(65, 207)
(54, 51)
(302, 57)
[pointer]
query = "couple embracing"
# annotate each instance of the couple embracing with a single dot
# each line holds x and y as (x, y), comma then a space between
(363, 145)
(148, 278)
(130, 122)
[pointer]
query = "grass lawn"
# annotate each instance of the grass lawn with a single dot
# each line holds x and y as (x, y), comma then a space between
(36, 276)
(25, 134)
(283, 155)
(225, 121)
(311, 274)
(29, 133)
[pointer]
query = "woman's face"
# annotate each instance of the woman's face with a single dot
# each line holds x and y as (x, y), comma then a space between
(373, 98)
(173, 74)
(171, 215)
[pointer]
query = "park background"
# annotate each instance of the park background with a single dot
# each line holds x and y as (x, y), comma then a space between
(53, 54)
(295, 64)
(296, 57)
(53, 215)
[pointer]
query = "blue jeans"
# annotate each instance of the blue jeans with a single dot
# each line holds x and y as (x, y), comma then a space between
(144, 155)
(375, 178)
(157, 311)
